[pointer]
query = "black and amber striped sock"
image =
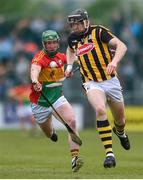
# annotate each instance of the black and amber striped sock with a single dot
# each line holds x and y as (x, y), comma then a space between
(105, 134)
(74, 152)
(119, 130)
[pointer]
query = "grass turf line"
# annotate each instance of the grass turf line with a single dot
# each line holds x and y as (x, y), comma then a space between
(26, 157)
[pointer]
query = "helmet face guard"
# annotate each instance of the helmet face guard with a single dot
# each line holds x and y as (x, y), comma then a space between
(50, 35)
(78, 16)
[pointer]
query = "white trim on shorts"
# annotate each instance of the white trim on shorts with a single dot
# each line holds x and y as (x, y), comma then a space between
(111, 88)
(41, 113)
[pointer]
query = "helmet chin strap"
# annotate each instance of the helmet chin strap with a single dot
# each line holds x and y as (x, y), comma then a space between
(51, 54)
(86, 25)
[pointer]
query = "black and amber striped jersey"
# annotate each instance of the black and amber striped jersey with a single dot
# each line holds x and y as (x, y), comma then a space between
(93, 53)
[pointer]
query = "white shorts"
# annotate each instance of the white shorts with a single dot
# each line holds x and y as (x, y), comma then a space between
(111, 88)
(41, 114)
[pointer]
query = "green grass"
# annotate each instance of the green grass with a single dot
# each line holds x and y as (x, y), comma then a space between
(38, 158)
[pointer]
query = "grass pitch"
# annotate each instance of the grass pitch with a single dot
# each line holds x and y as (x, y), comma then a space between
(39, 158)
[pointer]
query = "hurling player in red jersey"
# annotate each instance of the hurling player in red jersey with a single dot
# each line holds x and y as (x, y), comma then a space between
(47, 69)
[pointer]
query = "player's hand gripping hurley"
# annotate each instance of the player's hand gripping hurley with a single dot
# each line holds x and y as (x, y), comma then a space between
(75, 138)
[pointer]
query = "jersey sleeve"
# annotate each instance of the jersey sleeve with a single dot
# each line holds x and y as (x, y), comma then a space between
(64, 59)
(106, 35)
(38, 59)
(72, 41)
(61, 57)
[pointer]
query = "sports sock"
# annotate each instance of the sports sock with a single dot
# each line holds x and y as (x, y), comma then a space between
(74, 152)
(105, 134)
(120, 130)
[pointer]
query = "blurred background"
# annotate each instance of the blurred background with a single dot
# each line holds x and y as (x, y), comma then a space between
(21, 25)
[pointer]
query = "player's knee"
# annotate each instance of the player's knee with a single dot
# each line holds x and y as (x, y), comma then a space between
(72, 123)
(100, 111)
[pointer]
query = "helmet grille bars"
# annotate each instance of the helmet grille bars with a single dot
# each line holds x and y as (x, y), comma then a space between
(78, 16)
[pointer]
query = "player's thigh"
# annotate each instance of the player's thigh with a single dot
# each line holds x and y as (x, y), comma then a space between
(66, 111)
(97, 98)
(117, 109)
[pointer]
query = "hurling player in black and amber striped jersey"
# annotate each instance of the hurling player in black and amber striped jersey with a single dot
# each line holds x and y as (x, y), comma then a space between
(92, 45)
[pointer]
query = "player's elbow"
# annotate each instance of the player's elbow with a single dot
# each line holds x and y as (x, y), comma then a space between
(125, 47)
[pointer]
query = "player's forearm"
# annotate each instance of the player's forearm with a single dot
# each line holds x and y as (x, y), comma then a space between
(35, 71)
(71, 57)
(120, 50)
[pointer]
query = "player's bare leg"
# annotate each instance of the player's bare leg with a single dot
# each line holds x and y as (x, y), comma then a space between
(103, 126)
(48, 129)
(67, 114)
(118, 112)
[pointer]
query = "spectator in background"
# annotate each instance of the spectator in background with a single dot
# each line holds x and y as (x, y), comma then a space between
(3, 82)
(38, 25)
(21, 95)
(135, 27)
(6, 47)
(117, 23)
(22, 68)
(127, 72)
(24, 33)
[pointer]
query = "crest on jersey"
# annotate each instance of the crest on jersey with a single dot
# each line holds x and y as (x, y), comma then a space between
(85, 48)
(60, 62)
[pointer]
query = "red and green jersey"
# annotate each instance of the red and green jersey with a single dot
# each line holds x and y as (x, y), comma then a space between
(48, 76)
